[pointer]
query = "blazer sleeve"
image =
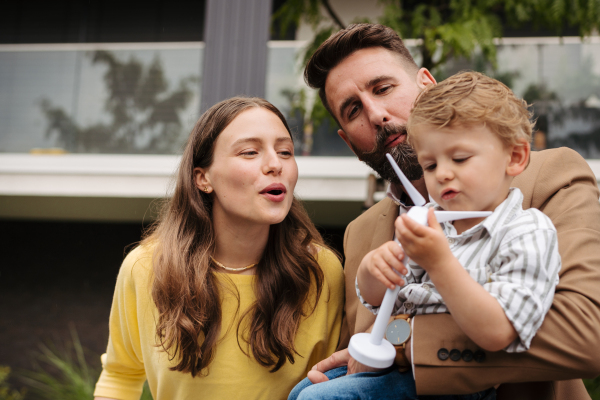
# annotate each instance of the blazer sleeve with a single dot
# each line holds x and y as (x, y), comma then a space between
(559, 183)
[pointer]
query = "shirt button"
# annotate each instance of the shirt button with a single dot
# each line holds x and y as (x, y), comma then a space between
(427, 286)
(450, 240)
(408, 305)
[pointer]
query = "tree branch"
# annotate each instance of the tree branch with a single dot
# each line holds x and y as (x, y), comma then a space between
(332, 14)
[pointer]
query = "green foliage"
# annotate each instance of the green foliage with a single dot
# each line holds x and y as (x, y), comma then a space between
(144, 114)
(593, 387)
(459, 28)
(292, 12)
(6, 393)
(449, 28)
(62, 373)
(146, 395)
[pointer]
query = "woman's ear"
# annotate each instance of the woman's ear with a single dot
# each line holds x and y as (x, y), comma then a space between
(519, 157)
(202, 180)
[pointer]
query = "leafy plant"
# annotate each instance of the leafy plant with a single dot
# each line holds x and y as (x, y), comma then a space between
(62, 373)
(444, 29)
(146, 395)
(593, 387)
(6, 393)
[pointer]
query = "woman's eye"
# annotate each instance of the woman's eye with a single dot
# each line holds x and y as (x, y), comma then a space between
(249, 153)
(286, 153)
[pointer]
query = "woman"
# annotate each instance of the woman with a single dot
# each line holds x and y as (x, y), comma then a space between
(233, 293)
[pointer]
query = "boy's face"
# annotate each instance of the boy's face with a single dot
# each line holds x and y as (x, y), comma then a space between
(465, 167)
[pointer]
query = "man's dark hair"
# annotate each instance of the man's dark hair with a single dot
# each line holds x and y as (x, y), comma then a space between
(345, 42)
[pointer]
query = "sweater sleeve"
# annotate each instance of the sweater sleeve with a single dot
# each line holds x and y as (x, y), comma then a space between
(123, 372)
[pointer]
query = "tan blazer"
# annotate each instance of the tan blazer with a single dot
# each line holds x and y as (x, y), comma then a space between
(560, 183)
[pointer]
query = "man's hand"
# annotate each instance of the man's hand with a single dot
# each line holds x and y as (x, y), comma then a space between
(337, 359)
(425, 245)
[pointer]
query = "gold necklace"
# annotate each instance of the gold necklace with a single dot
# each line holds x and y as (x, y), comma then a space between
(232, 269)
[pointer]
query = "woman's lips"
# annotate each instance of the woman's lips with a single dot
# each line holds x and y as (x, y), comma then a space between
(275, 192)
(394, 140)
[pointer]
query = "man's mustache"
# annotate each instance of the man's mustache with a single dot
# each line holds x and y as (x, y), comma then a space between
(383, 133)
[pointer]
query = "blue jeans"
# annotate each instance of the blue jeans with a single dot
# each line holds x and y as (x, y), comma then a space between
(388, 384)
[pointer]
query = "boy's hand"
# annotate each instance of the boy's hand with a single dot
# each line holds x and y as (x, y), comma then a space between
(425, 245)
(381, 263)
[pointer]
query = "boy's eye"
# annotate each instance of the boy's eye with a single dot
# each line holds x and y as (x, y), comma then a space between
(249, 153)
(430, 167)
(460, 160)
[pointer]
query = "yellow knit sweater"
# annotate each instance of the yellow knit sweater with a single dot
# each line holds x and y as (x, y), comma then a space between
(132, 356)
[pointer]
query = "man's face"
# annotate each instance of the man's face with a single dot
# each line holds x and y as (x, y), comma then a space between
(371, 95)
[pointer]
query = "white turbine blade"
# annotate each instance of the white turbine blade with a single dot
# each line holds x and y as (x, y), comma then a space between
(443, 216)
(413, 193)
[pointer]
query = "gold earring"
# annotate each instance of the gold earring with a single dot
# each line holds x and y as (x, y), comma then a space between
(206, 189)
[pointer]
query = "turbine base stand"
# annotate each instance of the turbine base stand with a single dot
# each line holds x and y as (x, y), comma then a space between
(372, 355)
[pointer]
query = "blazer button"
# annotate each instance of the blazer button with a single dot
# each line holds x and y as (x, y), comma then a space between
(467, 355)
(479, 356)
(443, 354)
(455, 354)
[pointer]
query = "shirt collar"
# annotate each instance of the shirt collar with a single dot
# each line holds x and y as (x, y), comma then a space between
(398, 196)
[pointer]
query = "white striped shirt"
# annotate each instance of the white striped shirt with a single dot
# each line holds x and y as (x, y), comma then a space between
(513, 253)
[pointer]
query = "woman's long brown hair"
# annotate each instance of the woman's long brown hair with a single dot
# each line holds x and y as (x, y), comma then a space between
(185, 288)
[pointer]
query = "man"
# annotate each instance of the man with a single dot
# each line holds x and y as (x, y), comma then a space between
(368, 81)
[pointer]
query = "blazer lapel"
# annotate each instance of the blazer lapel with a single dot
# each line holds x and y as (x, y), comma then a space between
(384, 229)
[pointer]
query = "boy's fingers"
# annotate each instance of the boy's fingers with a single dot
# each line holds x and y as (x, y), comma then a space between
(395, 249)
(384, 265)
(432, 221)
(390, 273)
(414, 227)
(382, 277)
(395, 257)
(402, 231)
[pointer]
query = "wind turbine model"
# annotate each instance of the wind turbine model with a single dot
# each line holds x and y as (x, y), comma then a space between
(372, 349)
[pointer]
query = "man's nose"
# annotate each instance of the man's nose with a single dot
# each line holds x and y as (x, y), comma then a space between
(378, 115)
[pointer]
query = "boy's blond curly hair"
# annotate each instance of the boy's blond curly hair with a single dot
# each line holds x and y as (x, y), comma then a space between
(471, 98)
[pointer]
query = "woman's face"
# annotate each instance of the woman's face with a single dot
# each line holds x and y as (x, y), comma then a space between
(254, 173)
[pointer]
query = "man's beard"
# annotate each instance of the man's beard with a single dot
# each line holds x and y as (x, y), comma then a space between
(403, 154)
